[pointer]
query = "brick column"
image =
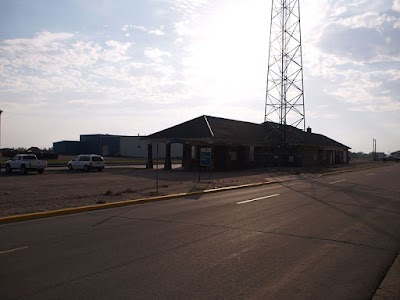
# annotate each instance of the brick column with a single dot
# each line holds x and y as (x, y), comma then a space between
(167, 164)
(149, 164)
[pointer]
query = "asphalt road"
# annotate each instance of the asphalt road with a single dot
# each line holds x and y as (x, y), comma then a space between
(329, 237)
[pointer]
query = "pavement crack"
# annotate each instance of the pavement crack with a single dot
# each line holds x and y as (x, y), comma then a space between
(263, 232)
(117, 266)
(113, 216)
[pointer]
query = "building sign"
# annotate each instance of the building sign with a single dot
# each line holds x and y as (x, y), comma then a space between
(205, 157)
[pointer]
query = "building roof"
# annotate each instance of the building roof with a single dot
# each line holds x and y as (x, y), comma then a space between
(315, 139)
(207, 128)
(227, 131)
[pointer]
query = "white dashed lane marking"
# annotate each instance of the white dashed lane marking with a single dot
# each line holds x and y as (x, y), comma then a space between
(338, 181)
(257, 199)
(13, 250)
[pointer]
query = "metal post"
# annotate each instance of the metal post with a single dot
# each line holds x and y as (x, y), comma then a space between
(0, 125)
(199, 171)
(157, 172)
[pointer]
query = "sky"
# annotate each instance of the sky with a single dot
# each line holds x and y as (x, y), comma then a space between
(129, 67)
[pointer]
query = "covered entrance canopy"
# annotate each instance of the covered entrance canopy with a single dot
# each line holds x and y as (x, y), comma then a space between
(231, 141)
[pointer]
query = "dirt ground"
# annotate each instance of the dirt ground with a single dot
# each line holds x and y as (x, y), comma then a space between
(56, 189)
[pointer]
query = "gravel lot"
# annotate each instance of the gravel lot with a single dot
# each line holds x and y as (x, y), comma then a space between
(62, 188)
(56, 189)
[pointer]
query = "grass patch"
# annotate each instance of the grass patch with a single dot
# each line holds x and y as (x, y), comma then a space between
(111, 193)
(129, 191)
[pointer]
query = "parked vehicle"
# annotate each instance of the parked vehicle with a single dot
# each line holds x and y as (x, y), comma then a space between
(87, 162)
(25, 163)
(391, 158)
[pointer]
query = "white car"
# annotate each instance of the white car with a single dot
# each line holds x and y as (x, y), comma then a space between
(87, 162)
(25, 163)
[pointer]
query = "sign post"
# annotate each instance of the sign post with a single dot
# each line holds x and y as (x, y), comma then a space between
(157, 172)
(205, 159)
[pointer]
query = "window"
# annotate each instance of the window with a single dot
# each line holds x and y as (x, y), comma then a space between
(97, 158)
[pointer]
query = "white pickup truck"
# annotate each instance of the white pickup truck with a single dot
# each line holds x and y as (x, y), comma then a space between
(25, 163)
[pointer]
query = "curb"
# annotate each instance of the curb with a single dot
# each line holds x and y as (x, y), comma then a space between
(390, 286)
(74, 210)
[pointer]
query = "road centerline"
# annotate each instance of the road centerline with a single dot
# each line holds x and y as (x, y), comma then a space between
(338, 181)
(257, 199)
(13, 250)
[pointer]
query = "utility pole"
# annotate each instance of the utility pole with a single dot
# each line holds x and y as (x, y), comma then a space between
(374, 149)
(0, 132)
(0, 125)
(284, 105)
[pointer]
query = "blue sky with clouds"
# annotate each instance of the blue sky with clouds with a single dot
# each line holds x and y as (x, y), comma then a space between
(72, 67)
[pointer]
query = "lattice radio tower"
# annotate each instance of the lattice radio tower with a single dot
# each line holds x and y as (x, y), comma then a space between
(284, 105)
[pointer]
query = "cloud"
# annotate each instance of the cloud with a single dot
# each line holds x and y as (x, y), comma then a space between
(366, 38)
(156, 54)
(182, 29)
(154, 31)
(396, 5)
(46, 53)
(116, 51)
(158, 32)
(62, 68)
(190, 16)
(356, 56)
(371, 20)
(41, 42)
(189, 7)
(373, 91)
(53, 53)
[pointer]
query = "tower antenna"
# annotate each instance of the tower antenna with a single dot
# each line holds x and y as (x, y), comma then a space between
(284, 104)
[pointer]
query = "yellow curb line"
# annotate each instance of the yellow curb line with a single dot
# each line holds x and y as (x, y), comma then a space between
(74, 210)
